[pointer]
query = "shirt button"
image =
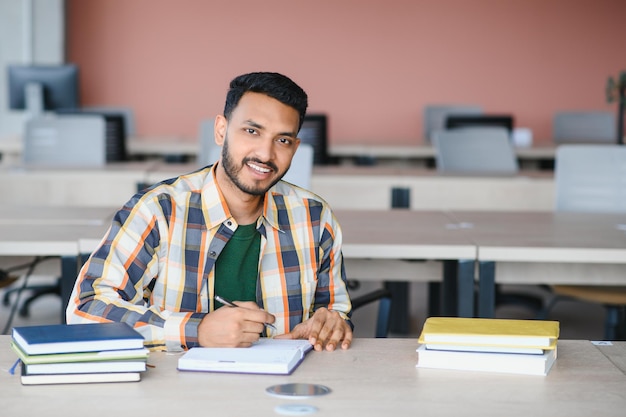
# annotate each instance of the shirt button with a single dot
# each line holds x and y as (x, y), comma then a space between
(212, 254)
(229, 223)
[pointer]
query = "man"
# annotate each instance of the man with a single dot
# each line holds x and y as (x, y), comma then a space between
(233, 230)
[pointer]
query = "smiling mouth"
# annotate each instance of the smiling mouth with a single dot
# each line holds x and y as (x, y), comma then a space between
(258, 168)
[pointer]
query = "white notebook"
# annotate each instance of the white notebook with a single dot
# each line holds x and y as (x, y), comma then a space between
(267, 356)
(513, 363)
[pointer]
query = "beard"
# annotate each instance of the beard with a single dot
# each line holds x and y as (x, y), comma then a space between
(233, 172)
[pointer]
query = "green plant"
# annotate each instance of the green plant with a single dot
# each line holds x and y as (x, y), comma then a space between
(616, 92)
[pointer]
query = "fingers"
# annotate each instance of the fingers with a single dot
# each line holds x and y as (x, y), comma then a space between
(327, 330)
(258, 314)
(232, 327)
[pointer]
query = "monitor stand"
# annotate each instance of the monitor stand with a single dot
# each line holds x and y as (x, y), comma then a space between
(34, 100)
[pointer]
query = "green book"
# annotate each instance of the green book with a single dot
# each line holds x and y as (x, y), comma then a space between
(97, 356)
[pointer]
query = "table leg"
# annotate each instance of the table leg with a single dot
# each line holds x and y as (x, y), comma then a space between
(486, 289)
(458, 288)
(69, 272)
(465, 295)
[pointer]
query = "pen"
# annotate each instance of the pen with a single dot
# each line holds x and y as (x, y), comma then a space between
(231, 304)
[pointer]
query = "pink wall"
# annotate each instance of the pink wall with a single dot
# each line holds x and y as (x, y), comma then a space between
(372, 65)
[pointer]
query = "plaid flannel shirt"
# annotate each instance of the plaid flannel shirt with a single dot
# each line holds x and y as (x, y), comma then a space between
(154, 267)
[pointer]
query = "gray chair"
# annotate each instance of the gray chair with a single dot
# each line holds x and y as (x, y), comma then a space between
(434, 116)
(209, 151)
(127, 113)
(383, 297)
(301, 168)
(584, 127)
(65, 141)
(592, 178)
(480, 151)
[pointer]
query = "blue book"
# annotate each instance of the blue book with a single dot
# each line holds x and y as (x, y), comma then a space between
(66, 338)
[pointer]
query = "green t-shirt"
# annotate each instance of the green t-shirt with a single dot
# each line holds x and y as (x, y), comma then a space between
(237, 267)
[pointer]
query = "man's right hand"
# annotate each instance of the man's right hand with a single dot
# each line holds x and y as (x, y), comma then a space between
(233, 326)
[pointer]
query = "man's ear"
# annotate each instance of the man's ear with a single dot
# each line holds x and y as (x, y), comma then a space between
(220, 129)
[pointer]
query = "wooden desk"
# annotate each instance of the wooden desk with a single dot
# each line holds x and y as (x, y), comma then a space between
(545, 248)
(424, 154)
(384, 245)
(11, 147)
(10, 150)
(107, 186)
(344, 187)
(52, 231)
(352, 187)
(376, 377)
(370, 188)
(141, 147)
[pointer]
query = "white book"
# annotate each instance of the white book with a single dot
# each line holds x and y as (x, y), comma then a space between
(80, 378)
(493, 349)
(267, 356)
(85, 367)
(514, 363)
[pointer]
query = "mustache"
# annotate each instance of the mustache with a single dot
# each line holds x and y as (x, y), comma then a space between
(258, 161)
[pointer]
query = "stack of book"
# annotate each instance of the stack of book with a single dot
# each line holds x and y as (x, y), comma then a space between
(79, 353)
(492, 345)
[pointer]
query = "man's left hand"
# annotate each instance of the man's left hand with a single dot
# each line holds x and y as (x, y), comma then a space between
(325, 330)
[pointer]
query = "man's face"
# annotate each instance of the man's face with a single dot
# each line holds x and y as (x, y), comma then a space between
(258, 142)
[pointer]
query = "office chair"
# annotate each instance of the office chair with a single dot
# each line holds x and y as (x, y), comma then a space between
(435, 116)
(592, 179)
(209, 151)
(571, 127)
(126, 113)
(65, 141)
(115, 130)
(383, 319)
(301, 168)
(478, 151)
(483, 151)
(506, 121)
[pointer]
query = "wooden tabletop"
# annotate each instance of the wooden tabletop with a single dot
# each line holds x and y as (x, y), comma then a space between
(376, 377)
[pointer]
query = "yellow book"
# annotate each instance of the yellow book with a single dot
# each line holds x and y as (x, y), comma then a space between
(472, 332)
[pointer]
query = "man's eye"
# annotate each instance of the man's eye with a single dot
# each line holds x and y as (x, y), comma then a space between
(285, 141)
(251, 131)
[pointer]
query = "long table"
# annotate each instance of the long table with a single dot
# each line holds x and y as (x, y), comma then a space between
(374, 377)
(344, 187)
(27, 231)
(544, 248)
(424, 153)
(391, 245)
(361, 187)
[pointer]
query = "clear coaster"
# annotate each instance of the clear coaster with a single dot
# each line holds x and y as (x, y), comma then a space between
(297, 390)
(295, 409)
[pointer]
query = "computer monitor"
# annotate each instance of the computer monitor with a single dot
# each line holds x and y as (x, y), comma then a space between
(485, 120)
(314, 131)
(37, 88)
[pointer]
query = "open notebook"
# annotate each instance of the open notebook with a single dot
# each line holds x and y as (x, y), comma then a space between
(267, 356)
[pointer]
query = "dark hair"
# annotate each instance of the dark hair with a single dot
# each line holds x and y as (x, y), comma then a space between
(271, 84)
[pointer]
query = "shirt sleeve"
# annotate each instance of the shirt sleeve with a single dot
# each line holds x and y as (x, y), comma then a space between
(115, 283)
(332, 289)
